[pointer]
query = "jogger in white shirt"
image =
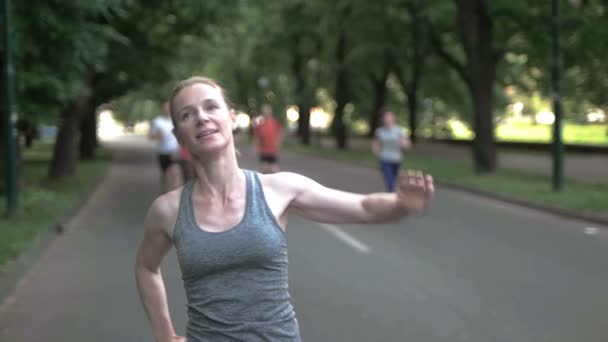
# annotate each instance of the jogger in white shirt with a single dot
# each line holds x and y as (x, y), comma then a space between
(161, 130)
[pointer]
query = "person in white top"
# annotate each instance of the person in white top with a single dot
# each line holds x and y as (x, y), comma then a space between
(161, 130)
(388, 144)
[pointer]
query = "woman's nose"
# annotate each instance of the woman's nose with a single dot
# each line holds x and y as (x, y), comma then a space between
(202, 115)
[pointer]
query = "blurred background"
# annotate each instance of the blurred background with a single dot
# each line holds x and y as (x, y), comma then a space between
(502, 100)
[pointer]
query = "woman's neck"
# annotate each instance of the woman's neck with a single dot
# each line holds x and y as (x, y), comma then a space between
(218, 177)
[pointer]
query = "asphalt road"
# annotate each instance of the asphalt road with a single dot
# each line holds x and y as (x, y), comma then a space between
(473, 269)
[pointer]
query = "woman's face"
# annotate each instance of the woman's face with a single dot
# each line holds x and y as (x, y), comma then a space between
(389, 118)
(203, 121)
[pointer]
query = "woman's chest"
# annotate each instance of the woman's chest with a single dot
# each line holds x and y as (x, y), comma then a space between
(218, 217)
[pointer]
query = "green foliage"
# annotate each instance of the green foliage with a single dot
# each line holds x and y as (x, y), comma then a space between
(58, 45)
(130, 53)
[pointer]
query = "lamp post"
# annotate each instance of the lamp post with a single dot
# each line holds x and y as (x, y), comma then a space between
(10, 162)
(558, 146)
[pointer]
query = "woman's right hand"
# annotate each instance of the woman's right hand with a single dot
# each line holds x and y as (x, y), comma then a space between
(376, 147)
(178, 339)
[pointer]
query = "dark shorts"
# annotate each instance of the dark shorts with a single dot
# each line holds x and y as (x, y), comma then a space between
(165, 160)
(268, 158)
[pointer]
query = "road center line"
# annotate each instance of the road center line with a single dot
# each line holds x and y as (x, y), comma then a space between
(346, 238)
(591, 230)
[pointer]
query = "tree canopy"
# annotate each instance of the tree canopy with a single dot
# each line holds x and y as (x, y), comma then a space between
(427, 61)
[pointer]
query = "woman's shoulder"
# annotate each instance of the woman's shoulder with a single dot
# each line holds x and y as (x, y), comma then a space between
(164, 209)
(283, 182)
(283, 187)
(169, 200)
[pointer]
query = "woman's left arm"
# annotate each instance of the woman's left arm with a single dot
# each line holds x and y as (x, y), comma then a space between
(316, 202)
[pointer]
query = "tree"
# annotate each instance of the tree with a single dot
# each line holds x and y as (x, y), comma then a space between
(61, 46)
(372, 45)
(413, 55)
(341, 89)
(305, 43)
(478, 71)
(3, 170)
(158, 33)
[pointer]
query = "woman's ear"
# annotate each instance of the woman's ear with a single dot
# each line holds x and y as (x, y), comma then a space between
(233, 117)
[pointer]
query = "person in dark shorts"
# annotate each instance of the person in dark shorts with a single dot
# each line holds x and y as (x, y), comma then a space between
(161, 130)
(164, 161)
(228, 227)
(388, 145)
(268, 140)
(269, 158)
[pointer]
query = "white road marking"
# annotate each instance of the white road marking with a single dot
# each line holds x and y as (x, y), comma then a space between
(346, 238)
(591, 230)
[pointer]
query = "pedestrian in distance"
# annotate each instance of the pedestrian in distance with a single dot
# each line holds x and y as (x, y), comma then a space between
(168, 153)
(388, 145)
(228, 227)
(268, 134)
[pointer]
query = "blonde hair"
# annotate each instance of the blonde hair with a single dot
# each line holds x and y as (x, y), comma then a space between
(192, 81)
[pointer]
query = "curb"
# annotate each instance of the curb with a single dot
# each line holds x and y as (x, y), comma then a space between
(566, 213)
(14, 270)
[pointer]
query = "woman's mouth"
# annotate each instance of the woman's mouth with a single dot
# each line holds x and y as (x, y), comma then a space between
(206, 133)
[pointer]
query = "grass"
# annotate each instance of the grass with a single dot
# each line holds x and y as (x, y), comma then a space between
(578, 196)
(41, 202)
(592, 134)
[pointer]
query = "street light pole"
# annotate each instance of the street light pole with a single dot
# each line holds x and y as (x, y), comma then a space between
(10, 163)
(558, 146)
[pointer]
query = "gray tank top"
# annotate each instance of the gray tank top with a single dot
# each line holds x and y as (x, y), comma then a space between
(236, 280)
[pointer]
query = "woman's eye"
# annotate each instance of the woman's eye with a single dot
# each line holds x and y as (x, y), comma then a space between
(186, 115)
(212, 107)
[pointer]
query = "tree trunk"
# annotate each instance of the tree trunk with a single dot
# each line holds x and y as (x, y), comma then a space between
(379, 101)
(411, 92)
(3, 156)
(65, 152)
(29, 141)
(477, 33)
(479, 74)
(337, 125)
(304, 122)
(88, 143)
(88, 134)
(301, 91)
(484, 147)
(418, 51)
(412, 106)
(2, 151)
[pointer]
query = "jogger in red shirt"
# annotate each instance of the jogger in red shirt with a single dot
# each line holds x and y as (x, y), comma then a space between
(268, 141)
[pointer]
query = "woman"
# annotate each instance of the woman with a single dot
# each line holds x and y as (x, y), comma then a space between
(388, 142)
(228, 228)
